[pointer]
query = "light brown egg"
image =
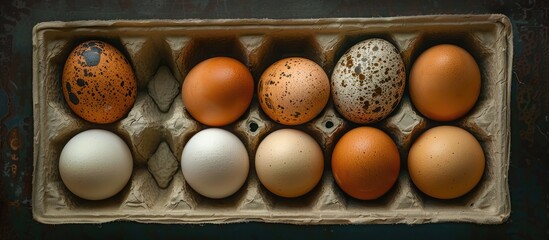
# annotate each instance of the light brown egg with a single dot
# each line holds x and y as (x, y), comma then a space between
(368, 81)
(446, 162)
(289, 163)
(444, 82)
(98, 82)
(217, 91)
(365, 163)
(293, 90)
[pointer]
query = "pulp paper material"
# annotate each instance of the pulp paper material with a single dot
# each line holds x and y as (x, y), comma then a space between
(163, 51)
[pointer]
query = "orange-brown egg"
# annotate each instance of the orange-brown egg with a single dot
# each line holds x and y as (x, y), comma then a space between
(218, 91)
(98, 82)
(293, 90)
(365, 163)
(444, 82)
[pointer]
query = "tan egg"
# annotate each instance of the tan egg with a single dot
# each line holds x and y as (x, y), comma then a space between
(289, 163)
(446, 162)
(293, 90)
(444, 82)
(368, 81)
(98, 82)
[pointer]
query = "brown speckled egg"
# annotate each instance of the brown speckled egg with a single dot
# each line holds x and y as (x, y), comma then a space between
(98, 82)
(368, 81)
(293, 91)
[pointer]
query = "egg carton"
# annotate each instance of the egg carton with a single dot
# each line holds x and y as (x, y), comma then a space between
(156, 129)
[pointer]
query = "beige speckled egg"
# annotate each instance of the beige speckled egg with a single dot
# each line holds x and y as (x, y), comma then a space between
(368, 81)
(98, 82)
(293, 90)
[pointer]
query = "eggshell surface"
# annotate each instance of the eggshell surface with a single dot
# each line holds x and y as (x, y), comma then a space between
(98, 82)
(445, 82)
(95, 164)
(446, 162)
(293, 91)
(365, 163)
(215, 163)
(289, 163)
(368, 81)
(217, 91)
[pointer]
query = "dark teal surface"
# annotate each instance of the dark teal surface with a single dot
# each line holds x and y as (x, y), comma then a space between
(528, 173)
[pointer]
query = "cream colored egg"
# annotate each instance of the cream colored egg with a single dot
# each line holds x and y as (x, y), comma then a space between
(368, 81)
(95, 164)
(215, 163)
(446, 162)
(289, 163)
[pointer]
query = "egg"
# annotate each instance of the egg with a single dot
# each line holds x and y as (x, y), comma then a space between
(368, 81)
(289, 163)
(217, 91)
(98, 82)
(215, 163)
(293, 91)
(444, 82)
(95, 164)
(446, 162)
(365, 163)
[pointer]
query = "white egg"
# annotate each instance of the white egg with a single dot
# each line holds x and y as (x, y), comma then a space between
(289, 162)
(95, 164)
(368, 81)
(215, 163)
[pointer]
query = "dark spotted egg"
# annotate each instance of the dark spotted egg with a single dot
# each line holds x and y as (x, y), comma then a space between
(98, 82)
(368, 81)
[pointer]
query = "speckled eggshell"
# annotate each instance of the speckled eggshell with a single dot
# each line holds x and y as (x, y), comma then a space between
(98, 82)
(368, 81)
(293, 91)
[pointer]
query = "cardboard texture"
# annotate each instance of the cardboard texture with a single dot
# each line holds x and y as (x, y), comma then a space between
(157, 128)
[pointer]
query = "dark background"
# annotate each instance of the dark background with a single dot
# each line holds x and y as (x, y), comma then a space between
(528, 173)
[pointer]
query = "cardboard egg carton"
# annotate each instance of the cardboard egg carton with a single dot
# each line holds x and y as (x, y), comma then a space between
(156, 129)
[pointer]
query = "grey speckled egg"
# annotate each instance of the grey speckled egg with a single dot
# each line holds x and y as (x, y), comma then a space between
(368, 81)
